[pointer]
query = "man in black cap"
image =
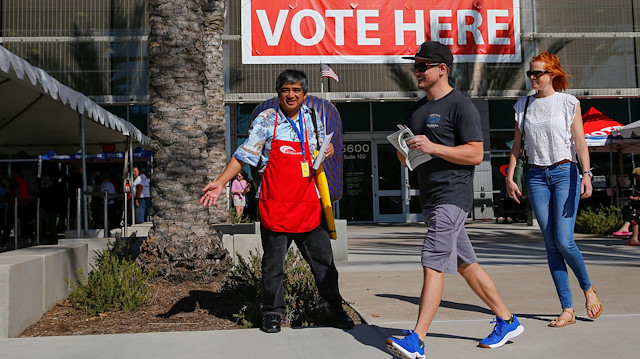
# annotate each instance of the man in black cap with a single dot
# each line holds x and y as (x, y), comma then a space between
(447, 126)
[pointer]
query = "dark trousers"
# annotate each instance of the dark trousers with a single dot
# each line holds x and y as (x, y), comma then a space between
(315, 247)
(630, 213)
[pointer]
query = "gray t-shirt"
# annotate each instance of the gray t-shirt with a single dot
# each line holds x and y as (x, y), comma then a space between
(451, 121)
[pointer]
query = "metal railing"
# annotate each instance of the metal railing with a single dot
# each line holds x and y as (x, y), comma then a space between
(19, 208)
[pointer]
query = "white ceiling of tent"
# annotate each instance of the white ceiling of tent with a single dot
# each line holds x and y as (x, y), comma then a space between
(38, 114)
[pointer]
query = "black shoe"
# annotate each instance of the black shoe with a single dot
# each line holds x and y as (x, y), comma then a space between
(271, 323)
(341, 320)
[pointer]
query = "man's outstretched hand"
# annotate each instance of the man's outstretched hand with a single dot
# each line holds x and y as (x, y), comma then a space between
(211, 193)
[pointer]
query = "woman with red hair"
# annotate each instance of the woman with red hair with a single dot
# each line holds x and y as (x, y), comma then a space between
(550, 124)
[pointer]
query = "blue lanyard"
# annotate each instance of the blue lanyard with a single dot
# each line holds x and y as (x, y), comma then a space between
(299, 131)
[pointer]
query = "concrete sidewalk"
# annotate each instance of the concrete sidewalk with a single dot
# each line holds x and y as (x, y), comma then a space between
(382, 280)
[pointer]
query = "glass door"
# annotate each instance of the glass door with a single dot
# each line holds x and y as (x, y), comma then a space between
(356, 204)
(396, 196)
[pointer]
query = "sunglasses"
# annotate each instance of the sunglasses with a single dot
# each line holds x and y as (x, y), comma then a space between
(423, 66)
(537, 74)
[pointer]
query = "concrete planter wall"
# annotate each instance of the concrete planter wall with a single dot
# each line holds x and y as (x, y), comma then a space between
(32, 280)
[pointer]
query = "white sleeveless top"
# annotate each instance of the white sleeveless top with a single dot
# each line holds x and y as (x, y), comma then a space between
(547, 129)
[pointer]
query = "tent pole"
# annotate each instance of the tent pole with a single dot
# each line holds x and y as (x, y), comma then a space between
(127, 190)
(16, 228)
(85, 207)
(620, 167)
(633, 159)
(133, 202)
(38, 203)
(611, 184)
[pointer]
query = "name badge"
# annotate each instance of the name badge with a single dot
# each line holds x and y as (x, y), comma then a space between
(305, 169)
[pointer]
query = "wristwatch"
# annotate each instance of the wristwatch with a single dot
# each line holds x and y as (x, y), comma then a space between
(588, 172)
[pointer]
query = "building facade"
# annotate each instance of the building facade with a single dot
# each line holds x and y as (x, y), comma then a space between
(99, 48)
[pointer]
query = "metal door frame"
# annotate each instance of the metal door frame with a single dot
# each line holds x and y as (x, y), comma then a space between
(404, 191)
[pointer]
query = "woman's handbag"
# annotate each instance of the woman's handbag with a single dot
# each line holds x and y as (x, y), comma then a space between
(520, 172)
(520, 175)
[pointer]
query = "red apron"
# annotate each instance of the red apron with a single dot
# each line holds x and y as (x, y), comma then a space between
(288, 201)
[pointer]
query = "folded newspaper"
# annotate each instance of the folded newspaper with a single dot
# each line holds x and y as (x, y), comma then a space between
(413, 158)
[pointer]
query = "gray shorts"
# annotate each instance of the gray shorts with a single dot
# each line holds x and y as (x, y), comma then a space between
(446, 245)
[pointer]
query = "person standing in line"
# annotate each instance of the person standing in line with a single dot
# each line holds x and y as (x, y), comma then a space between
(447, 126)
(284, 139)
(554, 136)
(239, 189)
(112, 215)
(141, 195)
(630, 213)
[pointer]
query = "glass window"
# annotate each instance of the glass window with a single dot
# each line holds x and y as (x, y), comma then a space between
(139, 117)
(634, 105)
(499, 167)
(414, 205)
(244, 117)
(387, 115)
(501, 139)
(120, 111)
(501, 114)
(129, 68)
(503, 76)
(390, 204)
(355, 116)
(390, 177)
(458, 77)
(356, 203)
(138, 65)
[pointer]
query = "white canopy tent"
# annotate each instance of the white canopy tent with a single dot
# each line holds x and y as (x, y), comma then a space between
(39, 114)
(625, 140)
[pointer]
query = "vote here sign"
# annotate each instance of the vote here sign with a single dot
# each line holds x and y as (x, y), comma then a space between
(377, 31)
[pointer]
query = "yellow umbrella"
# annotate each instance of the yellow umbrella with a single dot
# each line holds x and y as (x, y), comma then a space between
(325, 199)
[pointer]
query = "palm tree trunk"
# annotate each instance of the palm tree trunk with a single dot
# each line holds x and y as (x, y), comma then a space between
(187, 131)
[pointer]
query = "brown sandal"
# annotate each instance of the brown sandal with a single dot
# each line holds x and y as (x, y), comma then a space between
(559, 322)
(591, 305)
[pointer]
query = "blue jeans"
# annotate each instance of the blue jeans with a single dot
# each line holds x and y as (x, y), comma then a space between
(554, 193)
(142, 211)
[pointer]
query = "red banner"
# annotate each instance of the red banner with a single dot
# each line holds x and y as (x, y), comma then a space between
(377, 31)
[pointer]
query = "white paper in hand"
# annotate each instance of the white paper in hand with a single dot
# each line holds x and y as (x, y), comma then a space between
(320, 158)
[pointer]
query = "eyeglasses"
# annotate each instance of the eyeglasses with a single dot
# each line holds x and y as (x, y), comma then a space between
(537, 74)
(423, 66)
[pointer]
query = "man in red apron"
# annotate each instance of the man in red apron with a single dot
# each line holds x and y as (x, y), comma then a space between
(284, 139)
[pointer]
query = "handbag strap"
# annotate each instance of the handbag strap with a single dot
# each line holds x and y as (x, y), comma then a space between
(526, 106)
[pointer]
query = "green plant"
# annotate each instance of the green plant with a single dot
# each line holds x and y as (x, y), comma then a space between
(598, 220)
(234, 218)
(116, 282)
(243, 286)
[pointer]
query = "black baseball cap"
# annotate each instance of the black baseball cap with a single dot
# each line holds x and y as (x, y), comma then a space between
(433, 51)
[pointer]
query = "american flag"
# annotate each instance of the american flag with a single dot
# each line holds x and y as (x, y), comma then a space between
(326, 71)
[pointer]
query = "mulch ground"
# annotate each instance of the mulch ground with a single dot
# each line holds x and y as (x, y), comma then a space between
(174, 307)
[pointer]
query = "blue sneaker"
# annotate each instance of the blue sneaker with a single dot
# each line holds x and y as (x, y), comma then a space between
(502, 333)
(408, 347)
